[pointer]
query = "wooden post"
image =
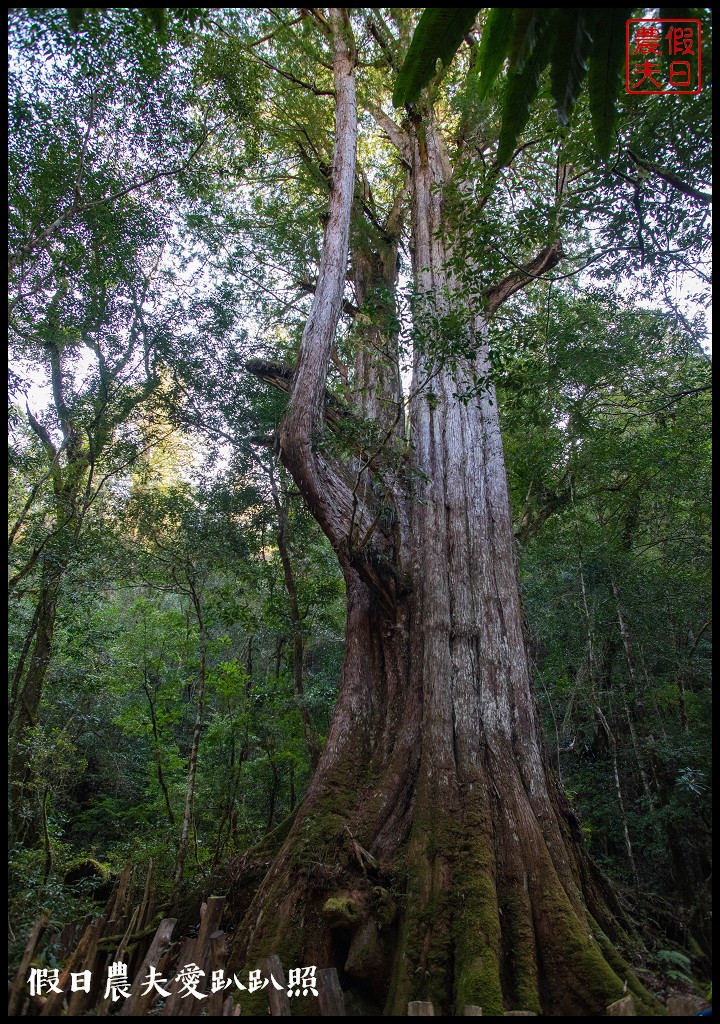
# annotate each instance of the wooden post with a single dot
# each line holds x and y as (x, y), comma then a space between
(137, 1005)
(420, 1009)
(68, 936)
(331, 1001)
(116, 907)
(197, 951)
(55, 1000)
(174, 1005)
(279, 1002)
(218, 955)
(210, 918)
(473, 1011)
(145, 904)
(624, 1007)
(78, 1002)
(229, 1008)
(101, 1001)
(18, 989)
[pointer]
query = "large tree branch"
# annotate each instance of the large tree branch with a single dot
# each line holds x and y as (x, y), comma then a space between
(280, 376)
(394, 132)
(309, 288)
(329, 493)
(304, 418)
(337, 415)
(364, 544)
(539, 265)
(327, 486)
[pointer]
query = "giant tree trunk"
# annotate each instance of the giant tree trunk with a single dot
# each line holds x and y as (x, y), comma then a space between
(433, 856)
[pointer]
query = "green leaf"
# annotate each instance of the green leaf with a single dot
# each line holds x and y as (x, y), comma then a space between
(572, 28)
(438, 36)
(606, 59)
(522, 88)
(529, 24)
(494, 46)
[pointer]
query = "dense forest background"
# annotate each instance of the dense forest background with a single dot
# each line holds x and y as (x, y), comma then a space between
(176, 615)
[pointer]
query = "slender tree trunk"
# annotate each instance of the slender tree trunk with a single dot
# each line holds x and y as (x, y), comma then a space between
(194, 748)
(433, 856)
(157, 751)
(619, 792)
(26, 816)
(25, 812)
(281, 509)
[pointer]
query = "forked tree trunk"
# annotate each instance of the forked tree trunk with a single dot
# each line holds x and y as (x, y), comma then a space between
(433, 857)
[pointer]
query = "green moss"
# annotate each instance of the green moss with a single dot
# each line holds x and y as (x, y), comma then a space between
(574, 967)
(254, 1004)
(384, 908)
(645, 1002)
(288, 949)
(520, 937)
(477, 946)
(86, 867)
(342, 912)
(476, 930)
(425, 942)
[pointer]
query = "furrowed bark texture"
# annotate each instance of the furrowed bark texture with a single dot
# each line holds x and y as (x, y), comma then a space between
(433, 857)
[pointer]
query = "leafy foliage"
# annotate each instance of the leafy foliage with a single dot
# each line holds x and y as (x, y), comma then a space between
(438, 35)
(576, 42)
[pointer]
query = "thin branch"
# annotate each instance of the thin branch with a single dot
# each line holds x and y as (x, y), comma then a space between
(33, 494)
(74, 208)
(671, 179)
(383, 44)
(291, 78)
(282, 25)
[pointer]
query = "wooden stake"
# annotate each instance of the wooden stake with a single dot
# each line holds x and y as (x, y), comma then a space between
(420, 1009)
(137, 1005)
(18, 989)
(55, 1000)
(331, 1001)
(279, 1002)
(624, 1007)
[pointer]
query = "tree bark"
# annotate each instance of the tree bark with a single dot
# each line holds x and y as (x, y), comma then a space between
(433, 857)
